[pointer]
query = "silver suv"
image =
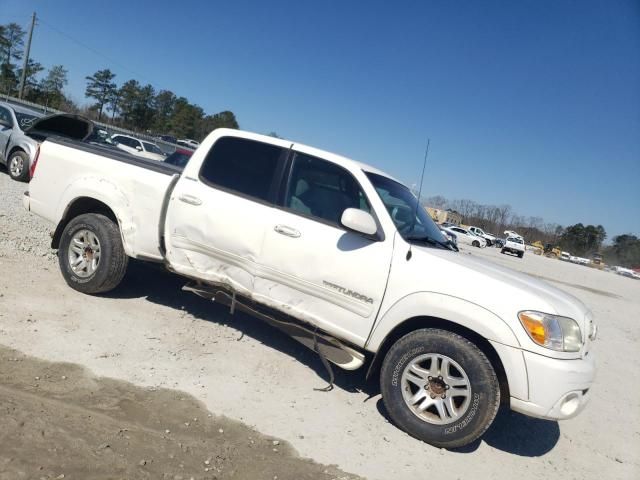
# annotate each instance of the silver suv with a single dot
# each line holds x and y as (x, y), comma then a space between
(17, 150)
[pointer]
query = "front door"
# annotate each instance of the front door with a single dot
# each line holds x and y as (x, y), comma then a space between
(217, 217)
(312, 266)
(5, 131)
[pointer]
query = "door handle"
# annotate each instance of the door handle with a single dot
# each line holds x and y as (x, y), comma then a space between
(190, 199)
(288, 231)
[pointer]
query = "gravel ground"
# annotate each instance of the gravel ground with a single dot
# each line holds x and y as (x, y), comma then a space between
(150, 333)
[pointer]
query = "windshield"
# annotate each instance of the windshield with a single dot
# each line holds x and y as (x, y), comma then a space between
(514, 240)
(401, 205)
(150, 147)
(25, 119)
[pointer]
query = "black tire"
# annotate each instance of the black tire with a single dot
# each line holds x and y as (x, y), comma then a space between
(112, 265)
(484, 387)
(502, 251)
(521, 254)
(475, 243)
(22, 175)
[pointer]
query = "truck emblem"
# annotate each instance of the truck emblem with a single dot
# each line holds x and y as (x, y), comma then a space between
(346, 291)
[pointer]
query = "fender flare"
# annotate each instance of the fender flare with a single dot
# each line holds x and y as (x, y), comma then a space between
(424, 309)
(104, 192)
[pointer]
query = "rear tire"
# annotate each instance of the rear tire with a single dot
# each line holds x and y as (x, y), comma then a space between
(476, 243)
(91, 255)
(18, 166)
(461, 392)
(502, 251)
(521, 254)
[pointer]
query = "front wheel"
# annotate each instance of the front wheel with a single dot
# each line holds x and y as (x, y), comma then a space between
(476, 243)
(91, 255)
(18, 166)
(439, 387)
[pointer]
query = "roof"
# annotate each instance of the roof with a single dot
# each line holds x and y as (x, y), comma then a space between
(339, 159)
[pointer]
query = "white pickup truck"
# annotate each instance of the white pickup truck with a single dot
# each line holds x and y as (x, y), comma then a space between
(336, 253)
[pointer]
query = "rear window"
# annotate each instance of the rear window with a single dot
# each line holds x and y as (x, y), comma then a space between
(242, 166)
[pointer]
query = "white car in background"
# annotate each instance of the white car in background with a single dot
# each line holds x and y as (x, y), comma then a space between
(466, 237)
(490, 239)
(139, 148)
(514, 245)
(187, 142)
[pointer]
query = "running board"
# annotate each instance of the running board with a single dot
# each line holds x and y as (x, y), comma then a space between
(333, 349)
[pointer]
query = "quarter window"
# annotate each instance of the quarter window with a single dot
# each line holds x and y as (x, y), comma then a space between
(243, 166)
(323, 190)
(5, 116)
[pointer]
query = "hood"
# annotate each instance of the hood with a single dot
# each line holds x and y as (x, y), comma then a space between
(65, 125)
(499, 289)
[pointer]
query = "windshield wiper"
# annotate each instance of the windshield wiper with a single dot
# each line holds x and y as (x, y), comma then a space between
(449, 245)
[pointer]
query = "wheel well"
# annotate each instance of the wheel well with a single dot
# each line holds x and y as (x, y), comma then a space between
(417, 323)
(15, 149)
(78, 207)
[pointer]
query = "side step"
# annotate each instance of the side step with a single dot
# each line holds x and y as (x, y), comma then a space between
(333, 349)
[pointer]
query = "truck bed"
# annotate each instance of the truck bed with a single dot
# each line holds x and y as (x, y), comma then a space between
(114, 153)
(70, 172)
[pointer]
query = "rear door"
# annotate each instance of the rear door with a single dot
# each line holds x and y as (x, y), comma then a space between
(217, 216)
(312, 266)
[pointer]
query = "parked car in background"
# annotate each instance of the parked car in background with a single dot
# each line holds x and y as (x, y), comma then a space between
(565, 256)
(514, 245)
(17, 150)
(187, 142)
(180, 157)
(137, 147)
(490, 239)
(466, 237)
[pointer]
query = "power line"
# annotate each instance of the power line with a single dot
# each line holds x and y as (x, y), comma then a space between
(100, 54)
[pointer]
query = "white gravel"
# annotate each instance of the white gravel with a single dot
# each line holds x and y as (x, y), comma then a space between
(150, 333)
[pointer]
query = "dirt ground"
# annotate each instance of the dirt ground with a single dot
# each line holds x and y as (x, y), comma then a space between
(57, 420)
(153, 335)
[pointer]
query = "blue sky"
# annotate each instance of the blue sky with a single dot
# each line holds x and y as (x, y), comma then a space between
(531, 103)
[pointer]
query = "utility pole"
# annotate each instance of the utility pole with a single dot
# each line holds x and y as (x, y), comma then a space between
(26, 57)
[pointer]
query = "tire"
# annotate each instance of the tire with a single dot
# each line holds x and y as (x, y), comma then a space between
(521, 254)
(502, 251)
(475, 243)
(18, 166)
(475, 411)
(108, 269)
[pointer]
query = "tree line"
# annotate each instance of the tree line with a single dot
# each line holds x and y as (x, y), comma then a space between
(139, 107)
(579, 239)
(130, 105)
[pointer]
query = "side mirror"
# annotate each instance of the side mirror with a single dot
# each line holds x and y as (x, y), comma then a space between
(139, 148)
(359, 221)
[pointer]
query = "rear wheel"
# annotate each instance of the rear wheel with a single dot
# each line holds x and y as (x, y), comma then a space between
(521, 254)
(502, 251)
(91, 255)
(476, 243)
(439, 387)
(18, 166)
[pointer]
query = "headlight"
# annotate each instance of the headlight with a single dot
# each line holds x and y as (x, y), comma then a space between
(551, 331)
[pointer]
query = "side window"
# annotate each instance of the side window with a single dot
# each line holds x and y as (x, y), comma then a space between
(119, 139)
(5, 116)
(321, 189)
(242, 166)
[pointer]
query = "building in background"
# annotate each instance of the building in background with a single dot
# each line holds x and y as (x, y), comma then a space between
(441, 216)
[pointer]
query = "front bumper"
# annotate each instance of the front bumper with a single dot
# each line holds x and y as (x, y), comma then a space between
(558, 389)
